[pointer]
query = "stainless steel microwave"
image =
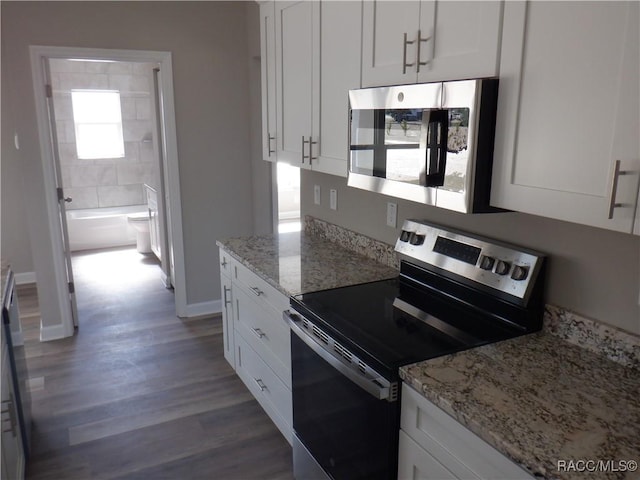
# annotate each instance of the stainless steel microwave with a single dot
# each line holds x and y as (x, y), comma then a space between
(430, 143)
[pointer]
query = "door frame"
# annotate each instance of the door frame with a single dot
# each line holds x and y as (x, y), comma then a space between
(39, 54)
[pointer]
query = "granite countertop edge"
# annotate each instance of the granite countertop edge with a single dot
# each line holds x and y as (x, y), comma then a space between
(267, 278)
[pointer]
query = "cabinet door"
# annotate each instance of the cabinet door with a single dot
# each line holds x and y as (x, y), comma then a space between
(384, 24)
(568, 109)
(13, 460)
(339, 72)
(227, 320)
(268, 77)
(462, 40)
(296, 30)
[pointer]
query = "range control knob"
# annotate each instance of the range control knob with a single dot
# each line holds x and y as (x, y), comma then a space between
(404, 236)
(487, 262)
(416, 239)
(519, 272)
(502, 267)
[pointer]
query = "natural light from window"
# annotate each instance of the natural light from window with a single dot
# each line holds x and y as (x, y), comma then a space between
(98, 123)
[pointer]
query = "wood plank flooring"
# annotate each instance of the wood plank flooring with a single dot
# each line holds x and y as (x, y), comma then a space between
(139, 393)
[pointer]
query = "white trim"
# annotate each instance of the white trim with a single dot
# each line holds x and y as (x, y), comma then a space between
(38, 56)
(55, 230)
(204, 308)
(25, 278)
(53, 332)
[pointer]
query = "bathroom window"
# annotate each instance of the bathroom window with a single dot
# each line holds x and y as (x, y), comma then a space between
(98, 123)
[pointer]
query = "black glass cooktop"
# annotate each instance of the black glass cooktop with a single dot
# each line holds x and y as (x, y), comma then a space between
(389, 324)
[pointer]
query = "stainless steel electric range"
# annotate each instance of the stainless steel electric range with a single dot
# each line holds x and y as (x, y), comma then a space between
(455, 291)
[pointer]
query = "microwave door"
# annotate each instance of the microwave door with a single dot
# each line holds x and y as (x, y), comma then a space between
(435, 128)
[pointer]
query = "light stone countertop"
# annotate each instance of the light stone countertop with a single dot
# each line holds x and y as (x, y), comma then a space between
(539, 399)
(298, 262)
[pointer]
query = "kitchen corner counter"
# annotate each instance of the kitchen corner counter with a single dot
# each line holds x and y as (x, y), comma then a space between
(540, 400)
(299, 262)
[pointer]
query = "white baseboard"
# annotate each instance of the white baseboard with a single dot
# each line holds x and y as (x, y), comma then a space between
(203, 308)
(55, 332)
(25, 278)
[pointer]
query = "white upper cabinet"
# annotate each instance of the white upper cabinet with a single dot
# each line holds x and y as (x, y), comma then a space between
(317, 62)
(409, 42)
(297, 49)
(340, 41)
(268, 78)
(567, 143)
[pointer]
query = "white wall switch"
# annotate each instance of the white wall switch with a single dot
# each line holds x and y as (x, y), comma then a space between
(392, 214)
(316, 194)
(333, 199)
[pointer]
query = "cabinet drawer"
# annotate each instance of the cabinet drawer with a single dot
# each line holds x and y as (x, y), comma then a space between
(226, 263)
(259, 288)
(414, 463)
(266, 387)
(457, 448)
(263, 328)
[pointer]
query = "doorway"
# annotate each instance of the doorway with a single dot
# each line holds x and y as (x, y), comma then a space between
(136, 88)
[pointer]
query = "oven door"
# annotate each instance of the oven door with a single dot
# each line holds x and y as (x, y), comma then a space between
(344, 427)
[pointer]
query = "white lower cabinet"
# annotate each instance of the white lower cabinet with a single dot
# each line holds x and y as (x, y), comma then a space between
(13, 460)
(272, 394)
(226, 297)
(257, 342)
(434, 445)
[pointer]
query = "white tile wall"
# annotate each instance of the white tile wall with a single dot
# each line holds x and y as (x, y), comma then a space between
(106, 182)
(131, 174)
(94, 175)
(147, 154)
(82, 197)
(96, 81)
(119, 195)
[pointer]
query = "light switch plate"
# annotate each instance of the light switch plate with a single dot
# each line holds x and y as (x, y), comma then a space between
(392, 214)
(316, 194)
(333, 199)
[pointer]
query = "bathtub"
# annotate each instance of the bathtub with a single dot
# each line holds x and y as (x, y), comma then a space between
(95, 228)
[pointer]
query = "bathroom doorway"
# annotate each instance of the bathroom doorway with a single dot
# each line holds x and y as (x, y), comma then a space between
(112, 155)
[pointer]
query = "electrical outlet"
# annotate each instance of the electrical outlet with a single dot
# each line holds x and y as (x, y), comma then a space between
(392, 214)
(316, 194)
(333, 199)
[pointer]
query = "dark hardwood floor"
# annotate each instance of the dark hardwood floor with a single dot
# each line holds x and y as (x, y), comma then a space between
(139, 393)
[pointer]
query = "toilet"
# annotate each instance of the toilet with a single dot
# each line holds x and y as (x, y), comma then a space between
(140, 223)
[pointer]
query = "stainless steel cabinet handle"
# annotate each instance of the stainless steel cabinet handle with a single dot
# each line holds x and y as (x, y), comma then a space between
(419, 61)
(259, 333)
(304, 142)
(226, 302)
(260, 384)
(269, 138)
(614, 188)
(404, 54)
(311, 157)
(224, 263)
(257, 291)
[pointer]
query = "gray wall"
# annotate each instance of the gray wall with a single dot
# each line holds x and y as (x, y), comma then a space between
(592, 271)
(212, 65)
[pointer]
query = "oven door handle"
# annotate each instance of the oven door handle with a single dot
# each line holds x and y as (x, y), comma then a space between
(369, 385)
